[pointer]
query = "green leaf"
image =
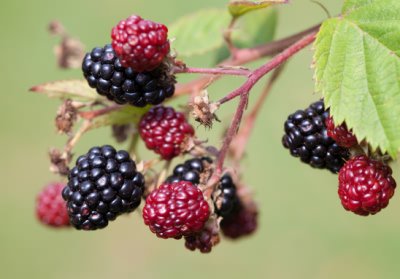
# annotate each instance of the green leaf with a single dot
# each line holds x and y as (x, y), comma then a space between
(199, 32)
(77, 90)
(354, 4)
(357, 69)
(239, 8)
(250, 30)
(127, 114)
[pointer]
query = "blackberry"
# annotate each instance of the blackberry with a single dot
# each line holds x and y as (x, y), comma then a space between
(203, 241)
(241, 222)
(197, 172)
(229, 199)
(176, 209)
(139, 43)
(51, 209)
(306, 137)
(191, 170)
(165, 131)
(103, 184)
(365, 185)
(103, 71)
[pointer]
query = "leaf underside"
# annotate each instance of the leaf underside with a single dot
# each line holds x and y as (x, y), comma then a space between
(251, 30)
(126, 115)
(357, 69)
(202, 32)
(199, 32)
(77, 90)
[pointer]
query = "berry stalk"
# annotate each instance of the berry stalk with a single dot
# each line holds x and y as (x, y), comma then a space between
(89, 115)
(244, 91)
(213, 71)
(278, 60)
(240, 141)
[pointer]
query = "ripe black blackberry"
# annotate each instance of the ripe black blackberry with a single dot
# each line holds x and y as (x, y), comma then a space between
(103, 184)
(197, 171)
(306, 137)
(242, 221)
(103, 71)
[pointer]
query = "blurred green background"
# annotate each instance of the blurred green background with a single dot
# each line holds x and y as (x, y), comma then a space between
(303, 233)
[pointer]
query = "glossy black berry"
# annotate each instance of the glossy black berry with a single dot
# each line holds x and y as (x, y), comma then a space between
(193, 170)
(103, 184)
(103, 71)
(306, 137)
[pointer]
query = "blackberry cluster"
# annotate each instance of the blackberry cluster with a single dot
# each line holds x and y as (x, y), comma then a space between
(306, 137)
(103, 71)
(192, 170)
(103, 184)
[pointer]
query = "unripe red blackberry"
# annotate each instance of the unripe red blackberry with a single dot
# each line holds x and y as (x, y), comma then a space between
(340, 134)
(365, 185)
(103, 71)
(103, 185)
(165, 131)
(306, 137)
(140, 44)
(197, 171)
(51, 209)
(176, 209)
(242, 222)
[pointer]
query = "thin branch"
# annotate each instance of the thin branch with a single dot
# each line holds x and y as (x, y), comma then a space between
(322, 7)
(86, 125)
(246, 55)
(272, 64)
(214, 71)
(244, 91)
(239, 143)
(228, 38)
(89, 115)
(234, 127)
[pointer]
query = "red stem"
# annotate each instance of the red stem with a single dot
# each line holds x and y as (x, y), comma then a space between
(266, 68)
(244, 91)
(95, 113)
(213, 71)
(237, 118)
(246, 55)
(239, 143)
